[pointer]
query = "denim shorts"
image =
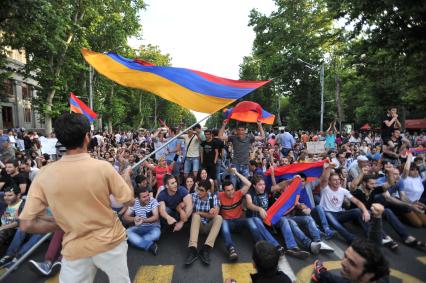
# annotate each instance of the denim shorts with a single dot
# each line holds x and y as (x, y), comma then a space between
(192, 164)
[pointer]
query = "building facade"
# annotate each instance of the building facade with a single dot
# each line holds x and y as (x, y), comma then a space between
(17, 94)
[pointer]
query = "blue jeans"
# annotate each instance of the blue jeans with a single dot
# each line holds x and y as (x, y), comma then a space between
(259, 231)
(319, 214)
(143, 237)
(308, 222)
(284, 226)
(242, 169)
(229, 225)
(17, 248)
(337, 218)
(395, 223)
(219, 171)
(191, 163)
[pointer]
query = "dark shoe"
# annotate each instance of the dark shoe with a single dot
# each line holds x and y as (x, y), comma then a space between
(318, 269)
(56, 267)
(330, 234)
(205, 255)
(5, 260)
(153, 249)
(192, 256)
(298, 253)
(43, 268)
(233, 256)
(281, 250)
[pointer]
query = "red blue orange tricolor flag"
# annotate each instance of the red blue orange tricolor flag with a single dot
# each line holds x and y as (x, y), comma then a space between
(285, 203)
(78, 106)
(191, 89)
(248, 111)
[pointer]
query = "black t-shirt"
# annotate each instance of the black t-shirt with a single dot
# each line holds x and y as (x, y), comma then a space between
(208, 151)
(387, 131)
(220, 145)
(366, 200)
(17, 179)
(261, 200)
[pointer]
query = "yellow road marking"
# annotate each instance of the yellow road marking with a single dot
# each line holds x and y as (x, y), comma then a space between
(238, 271)
(154, 274)
(304, 275)
(422, 259)
(54, 279)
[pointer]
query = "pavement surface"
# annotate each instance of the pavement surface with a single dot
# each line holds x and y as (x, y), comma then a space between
(407, 264)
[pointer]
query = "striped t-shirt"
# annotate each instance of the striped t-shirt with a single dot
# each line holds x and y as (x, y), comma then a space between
(145, 211)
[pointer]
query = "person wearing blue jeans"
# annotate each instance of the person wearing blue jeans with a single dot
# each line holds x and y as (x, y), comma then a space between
(19, 247)
(144, 214)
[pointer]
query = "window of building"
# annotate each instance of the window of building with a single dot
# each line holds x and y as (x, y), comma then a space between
(26, 92)
(6, 88)
(27, 115)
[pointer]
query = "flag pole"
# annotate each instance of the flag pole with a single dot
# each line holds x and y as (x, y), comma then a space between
(168, 142)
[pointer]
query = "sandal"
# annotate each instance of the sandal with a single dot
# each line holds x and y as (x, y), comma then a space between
(233, 256)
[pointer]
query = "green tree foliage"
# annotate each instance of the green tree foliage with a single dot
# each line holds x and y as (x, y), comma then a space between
(373, 52)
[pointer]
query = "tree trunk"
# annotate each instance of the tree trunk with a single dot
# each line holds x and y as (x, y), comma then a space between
(140, 111)
(340, 114)
(47, 117)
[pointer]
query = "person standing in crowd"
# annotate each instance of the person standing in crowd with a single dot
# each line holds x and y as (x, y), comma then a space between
(241, 144)
(192, 151)
(209, 154)
(286, 142)
(389, 123)
(330, 138)
(77, 189)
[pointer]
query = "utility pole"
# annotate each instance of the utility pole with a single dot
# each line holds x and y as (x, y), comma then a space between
(322, 95)
(91, 92)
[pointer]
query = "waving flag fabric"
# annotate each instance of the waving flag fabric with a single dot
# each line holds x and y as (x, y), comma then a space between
(191, 89)
(78, 106)
(417, 150)
(310, 169)
(285, 203)
(248, 111)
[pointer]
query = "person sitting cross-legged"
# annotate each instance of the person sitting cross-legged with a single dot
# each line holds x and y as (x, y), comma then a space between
(175, 203)
(144, 214)
(205, 218)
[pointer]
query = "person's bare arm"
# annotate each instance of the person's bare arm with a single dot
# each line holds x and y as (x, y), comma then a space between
(407, 166)
(254, 207)
(325, 175)
(360, 205)
(357, 181)
(221, 133)
(260, 137)
(38, 226)
(246, 183)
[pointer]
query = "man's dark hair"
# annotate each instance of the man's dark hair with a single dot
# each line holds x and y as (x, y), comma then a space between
(205, 184)
(253, 162)
(265, 257)
(71, 129)
(396, 129)
(166, 178)
(215, 132)
(14, 162)
(227, 183)
(12, 188)
(173, 130)
(375, 262)
(302, 176)
(198, 126)
(140, 178)
(139, 190)
(208, 131)
(367, 178)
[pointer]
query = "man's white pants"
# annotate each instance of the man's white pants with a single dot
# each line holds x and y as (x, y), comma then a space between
(112, 262)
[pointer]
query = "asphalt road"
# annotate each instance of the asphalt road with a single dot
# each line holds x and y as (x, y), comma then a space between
(408, 264)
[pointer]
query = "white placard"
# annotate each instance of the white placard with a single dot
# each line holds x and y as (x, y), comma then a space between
(315, 147)
(48, 145)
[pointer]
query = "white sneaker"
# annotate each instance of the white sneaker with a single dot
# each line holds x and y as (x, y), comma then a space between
(326, 248)
(386, 240)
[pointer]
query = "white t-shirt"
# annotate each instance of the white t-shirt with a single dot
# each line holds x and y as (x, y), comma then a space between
(333, 200)
(413, 188)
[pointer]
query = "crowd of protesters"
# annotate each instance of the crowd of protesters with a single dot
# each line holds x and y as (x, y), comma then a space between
(213, 181)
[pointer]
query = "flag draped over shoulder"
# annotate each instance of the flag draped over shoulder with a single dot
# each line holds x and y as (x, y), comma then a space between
(191, 89)
(417, 150)
(78, 106)
(248, 111)
(285, 203)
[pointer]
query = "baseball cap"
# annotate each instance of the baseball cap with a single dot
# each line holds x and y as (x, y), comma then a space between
(362, 158)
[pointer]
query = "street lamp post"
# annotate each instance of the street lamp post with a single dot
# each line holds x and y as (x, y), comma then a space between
(321, 74)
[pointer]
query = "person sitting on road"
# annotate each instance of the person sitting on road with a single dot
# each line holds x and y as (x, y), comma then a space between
(52, 259)
(363, 261)
(144, 214)
(175, 203)
(205, 218)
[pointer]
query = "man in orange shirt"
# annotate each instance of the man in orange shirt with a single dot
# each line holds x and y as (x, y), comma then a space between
(77, 190)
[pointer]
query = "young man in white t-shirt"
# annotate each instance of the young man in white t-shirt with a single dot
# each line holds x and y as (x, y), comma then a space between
(332, 197)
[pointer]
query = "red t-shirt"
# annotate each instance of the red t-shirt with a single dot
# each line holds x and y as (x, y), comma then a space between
(160, 172)
(231, 208)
